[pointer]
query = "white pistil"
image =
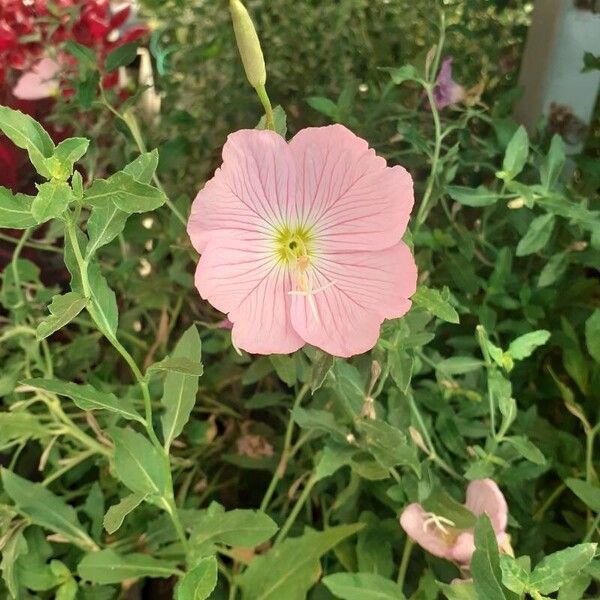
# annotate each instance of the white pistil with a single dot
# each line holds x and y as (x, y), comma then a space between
(438, 521)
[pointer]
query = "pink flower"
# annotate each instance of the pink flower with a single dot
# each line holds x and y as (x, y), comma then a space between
(438, 535)
(446, 91)
(40, 82)
(301, 242)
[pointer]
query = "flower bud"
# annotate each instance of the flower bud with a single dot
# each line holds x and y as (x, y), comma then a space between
(248, 44)
(516, 203)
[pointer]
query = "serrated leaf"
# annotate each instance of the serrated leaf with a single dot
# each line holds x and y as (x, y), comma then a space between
(558, 568)
(108, 567)
(63, 309)
(537, 236)
(115, 515)
(51, 201)
(45, 509)
(475, 197)
(179, 395)
(25, 132)
(290, 569)
(524, 345)
(199, 582)
(432, 300)
(15, 210)
(139, 465)
(103, 226)
(125, 192)
(362, 586)
(516, 153)
(143, 167)
(87, 397)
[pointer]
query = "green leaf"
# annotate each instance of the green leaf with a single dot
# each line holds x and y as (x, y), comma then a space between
(320, 368)
(115, 515)
(552, 166)
(526, 449)
(333, 457)
(553, 269)
(104, 302)
(388, 445)
(139, 465)
(142, 169)
(362, 586)
(125, 192)
(558, 568)
(108, 567)
(514, 576)
(441, 503)
(476, 197)
(589, 494)
(199, 582)
(20, 425)
(290, 569)
(240, 528)
(537, 235)
(103, 226)
(82, 53)
(592, 335)
(15, 210)
(516, 153)
(459, 365)
(433, 301)
(318, 420)
(51, 201)
(285, 367)
(459, 591)
(179, 395)
(524, 345)
(25, 132)
(121, 56)
(323, 105)
(178, 364)
(45, 509)
(66, 154)
(14, 547)
(87, 397)
(485, 564)
(279, 121)
(404, 73)
(63, 309)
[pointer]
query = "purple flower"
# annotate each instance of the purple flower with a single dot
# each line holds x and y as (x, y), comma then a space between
(446, 91)
(440, 537)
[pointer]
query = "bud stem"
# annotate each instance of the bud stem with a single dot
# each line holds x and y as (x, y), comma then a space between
(266, 102)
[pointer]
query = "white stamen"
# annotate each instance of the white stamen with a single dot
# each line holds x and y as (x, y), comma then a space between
(438, 521)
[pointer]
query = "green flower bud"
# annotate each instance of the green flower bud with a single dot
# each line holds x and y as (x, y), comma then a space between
(248, 44)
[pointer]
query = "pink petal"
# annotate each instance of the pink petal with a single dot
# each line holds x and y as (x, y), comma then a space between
(253, 191)
(430, 538)
(484, 496)
(353, 200)
(364, 288)
(38, 83)
(239, 275)
(463, 548)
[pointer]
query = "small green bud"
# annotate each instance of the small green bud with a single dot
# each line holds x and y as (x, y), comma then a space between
(248, 44)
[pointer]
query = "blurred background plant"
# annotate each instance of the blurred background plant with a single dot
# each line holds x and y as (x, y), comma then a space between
(495, 372)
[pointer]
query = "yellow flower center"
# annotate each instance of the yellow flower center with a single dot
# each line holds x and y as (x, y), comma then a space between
(294, 246)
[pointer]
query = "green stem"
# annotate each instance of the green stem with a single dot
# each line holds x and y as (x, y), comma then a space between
(30, 244)
(406, 553)
(266, 102)
(297, 508)
(549, 502)
(594, 526)
(285, 454)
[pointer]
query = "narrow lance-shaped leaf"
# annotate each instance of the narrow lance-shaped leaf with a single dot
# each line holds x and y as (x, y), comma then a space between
(485, 564)
(143, 167)
(51, 201)
(115, 515)
(108, 567)
(87, 397)
(199, 582)
(180, 389)
(45, 509)
(362, 586)
(106, 222)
